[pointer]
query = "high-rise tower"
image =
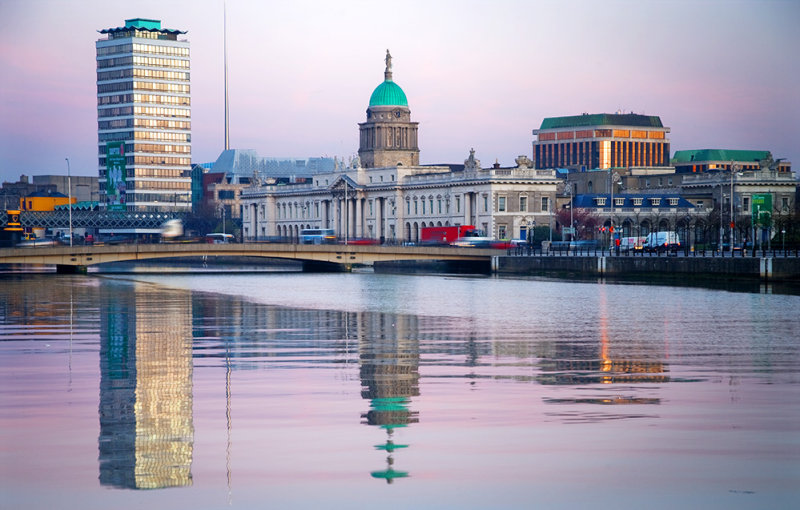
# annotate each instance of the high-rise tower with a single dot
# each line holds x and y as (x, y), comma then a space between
(388, 137)
(144, 118)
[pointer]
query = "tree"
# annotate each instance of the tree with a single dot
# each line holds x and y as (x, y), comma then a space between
(586, 221)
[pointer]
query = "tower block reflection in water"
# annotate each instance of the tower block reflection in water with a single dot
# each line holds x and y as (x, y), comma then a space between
(389, 378)
(146, 429)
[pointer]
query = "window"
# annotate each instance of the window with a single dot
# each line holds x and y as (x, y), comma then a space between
(408, 206)
(784, 203)
(655, 201)
(501, 204)
(370, 206)
(501, 231)
(746, 203)
(416, 207)
(545, 204)
(485, 203)
(458, 203)
(638, 202)
(423, 206)
(430, 201)
(439, 203)
(523, 204)
(673, 201)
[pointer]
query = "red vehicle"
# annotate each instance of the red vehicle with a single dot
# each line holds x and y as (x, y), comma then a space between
(444, 235)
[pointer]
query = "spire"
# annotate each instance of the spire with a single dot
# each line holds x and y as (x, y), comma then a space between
(387, 74)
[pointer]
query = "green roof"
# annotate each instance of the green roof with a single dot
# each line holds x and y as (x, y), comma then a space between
(602, 119)
(151, 24)
(717, 155)
(388, 93)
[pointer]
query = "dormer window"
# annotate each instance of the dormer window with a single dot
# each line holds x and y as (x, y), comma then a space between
(619, 202)
(601, 201)
(637, 202)
(673, 202)
(655, 201)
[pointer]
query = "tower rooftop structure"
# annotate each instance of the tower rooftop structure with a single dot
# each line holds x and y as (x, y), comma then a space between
(388, 137)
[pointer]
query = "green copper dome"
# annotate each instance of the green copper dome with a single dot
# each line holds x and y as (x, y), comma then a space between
(388, 93)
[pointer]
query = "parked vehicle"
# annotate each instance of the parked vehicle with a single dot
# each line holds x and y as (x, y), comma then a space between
(661, 242)
(444, 235)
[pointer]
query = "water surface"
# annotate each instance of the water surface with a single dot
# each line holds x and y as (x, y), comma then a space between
(294, 390)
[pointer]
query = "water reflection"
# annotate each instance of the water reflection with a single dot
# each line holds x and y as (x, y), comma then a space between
(146, 431)
(389, 372)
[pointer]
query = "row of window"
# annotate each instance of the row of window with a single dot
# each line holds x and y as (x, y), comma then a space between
(145, 123)
(152, 160)
(502, 204)
(151, 148)
(138, 60)
(154, 74)
(144, 98)
(153, 111)
(174, 88)
(144, 135)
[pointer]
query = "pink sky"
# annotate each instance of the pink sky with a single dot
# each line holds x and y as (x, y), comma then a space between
(482, 74)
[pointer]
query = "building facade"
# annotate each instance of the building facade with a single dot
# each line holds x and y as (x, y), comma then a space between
(602, 141)
(144, 118)
(384, 194)
(704, 160)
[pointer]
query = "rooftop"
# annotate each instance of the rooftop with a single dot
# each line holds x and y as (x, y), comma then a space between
(602, 119)
(698, 155)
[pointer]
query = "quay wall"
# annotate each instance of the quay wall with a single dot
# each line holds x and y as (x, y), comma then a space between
(765, 268)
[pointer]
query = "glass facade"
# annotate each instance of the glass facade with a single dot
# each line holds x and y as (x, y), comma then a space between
(144, 116)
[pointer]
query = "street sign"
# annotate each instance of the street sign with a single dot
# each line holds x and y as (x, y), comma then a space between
(762, 208)
(568, 230)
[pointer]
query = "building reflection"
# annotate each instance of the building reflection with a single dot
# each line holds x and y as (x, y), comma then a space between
(146, 429)
(599, 363)
(389, 372)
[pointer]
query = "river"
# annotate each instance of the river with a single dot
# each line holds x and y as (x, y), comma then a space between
(297, 390)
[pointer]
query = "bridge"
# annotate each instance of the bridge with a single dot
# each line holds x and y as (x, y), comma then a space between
(320, 257)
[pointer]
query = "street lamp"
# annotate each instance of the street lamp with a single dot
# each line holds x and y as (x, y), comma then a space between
(568, 188)
(69, 205)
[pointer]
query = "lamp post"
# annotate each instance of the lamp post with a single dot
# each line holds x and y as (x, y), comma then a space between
(571, 221)
(69, 205)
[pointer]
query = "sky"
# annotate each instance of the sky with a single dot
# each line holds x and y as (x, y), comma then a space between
(477, 74)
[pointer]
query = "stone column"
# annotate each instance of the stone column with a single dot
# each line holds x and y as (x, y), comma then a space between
(379, 230)
(359, 203)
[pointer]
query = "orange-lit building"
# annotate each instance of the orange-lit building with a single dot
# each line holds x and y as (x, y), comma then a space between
(601, 141)
(43, 201)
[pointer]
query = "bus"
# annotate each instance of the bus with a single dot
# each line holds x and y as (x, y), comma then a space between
(317, 236)
(218, 238)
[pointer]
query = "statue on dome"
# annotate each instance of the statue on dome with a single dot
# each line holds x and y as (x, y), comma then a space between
(388, 62)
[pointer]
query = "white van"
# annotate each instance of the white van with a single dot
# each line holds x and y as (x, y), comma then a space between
(661, 242)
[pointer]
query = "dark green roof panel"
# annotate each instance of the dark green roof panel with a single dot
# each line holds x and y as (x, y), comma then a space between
(690, 156)
(388, 93)
(602, 119)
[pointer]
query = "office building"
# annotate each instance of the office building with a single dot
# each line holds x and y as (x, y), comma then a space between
(601, 141)
(144, 118)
